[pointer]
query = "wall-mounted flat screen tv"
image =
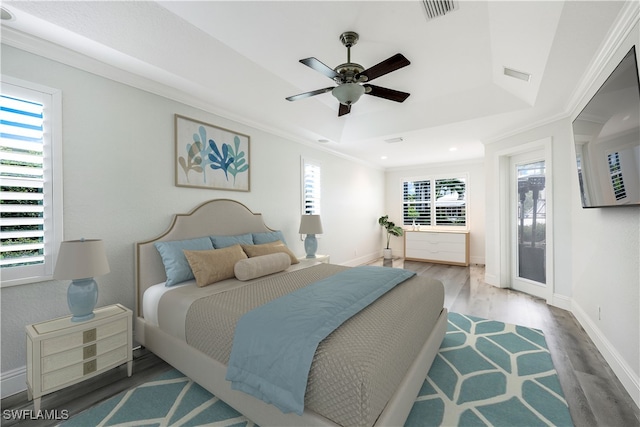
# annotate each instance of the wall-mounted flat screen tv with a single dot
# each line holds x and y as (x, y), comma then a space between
(607, 140)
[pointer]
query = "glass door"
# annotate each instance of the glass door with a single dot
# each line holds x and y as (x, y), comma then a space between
(529, 272)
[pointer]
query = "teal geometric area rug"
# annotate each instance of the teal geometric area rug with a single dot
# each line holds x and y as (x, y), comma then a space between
(486, 373)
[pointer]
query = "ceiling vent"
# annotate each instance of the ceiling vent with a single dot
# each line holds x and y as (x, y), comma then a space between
(435, 8)
(517, 74)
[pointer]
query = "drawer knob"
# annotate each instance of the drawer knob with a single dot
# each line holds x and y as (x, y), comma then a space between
(89, 351)
(89, 367)
(89, 336)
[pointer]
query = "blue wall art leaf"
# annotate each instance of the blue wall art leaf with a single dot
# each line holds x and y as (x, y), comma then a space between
(220, 160)
(239, 164)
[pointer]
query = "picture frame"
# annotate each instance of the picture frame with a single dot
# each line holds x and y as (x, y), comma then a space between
(208, 156)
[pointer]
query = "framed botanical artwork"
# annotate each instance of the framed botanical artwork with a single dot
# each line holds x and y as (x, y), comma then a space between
(208, 156)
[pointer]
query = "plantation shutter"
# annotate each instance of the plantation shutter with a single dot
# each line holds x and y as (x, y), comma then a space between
(435, 202)
(451, 205)
(27, 226)
(417, 202)
(311, 189)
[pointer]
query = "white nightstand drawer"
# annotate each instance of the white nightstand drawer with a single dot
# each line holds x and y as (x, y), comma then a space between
(78, 354)
(61, 352)
(74, 372)
(77, 339)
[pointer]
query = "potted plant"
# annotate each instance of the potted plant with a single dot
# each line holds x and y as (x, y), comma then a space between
(392, 230)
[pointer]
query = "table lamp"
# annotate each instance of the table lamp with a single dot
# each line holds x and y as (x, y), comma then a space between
(310, 225)
(81, 260)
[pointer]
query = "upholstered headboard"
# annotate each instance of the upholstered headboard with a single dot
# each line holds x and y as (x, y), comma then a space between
(222, 217)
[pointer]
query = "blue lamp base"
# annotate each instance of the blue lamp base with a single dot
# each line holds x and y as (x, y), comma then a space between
(311, 245)
(82, 297)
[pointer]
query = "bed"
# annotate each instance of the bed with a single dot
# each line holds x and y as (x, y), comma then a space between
(367, 372)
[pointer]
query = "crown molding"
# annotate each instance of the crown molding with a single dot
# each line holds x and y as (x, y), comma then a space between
(136, 74)
(628, 17)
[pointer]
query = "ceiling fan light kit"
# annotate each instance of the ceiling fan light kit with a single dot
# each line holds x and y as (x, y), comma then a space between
(348, 93)
(350, 77)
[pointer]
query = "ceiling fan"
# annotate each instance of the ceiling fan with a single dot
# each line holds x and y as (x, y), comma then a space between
(352, 78)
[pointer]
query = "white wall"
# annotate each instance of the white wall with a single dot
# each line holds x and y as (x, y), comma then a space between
(475, 203)
(606, 265)
(118, 145)
(596, 254)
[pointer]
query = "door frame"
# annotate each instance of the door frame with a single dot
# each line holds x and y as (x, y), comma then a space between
(505, 230)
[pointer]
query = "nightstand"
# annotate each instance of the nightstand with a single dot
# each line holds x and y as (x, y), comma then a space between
(61, 352)
(319, 258)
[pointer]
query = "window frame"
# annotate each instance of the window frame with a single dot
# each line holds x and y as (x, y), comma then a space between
(53, 179)
(433, 178)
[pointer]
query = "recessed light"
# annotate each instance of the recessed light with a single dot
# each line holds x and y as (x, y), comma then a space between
(5, 15)
(453, 149)
(383, 157)
(517, 74)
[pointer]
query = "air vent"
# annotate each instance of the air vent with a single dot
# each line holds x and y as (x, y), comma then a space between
(435, 8)
(394, 140)
(517, 74)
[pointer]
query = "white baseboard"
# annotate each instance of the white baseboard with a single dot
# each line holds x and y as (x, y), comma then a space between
(362, 260)
(476, 260)
(13, 381)
(561, 301)
(621, 368)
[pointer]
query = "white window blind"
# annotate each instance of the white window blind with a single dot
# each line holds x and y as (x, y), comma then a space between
(29, 211)
(311, 188)
(449, 209)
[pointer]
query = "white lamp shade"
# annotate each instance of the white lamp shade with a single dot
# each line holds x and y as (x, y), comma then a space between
(348, 93)
(310, 224)
(81, 259)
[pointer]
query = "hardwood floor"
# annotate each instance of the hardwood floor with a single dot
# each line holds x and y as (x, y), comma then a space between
(596, 397)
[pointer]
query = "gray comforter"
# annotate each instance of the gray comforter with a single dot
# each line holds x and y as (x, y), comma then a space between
(355, 370)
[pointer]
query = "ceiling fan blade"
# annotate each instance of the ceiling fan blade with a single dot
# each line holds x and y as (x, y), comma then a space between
(344, 109)
(383, 92)
(320, 67)
(308, 94)
(396, 62)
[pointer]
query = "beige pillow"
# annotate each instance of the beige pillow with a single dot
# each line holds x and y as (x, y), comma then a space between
(214, 265)
(269, 248)
(263, 265)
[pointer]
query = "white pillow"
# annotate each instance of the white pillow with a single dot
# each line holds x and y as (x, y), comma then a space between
(251, 268)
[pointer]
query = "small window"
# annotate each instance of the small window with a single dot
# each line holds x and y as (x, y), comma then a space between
(311, 187)
(30, 203)
(435, 202)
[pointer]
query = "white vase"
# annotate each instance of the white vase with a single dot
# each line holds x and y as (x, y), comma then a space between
(386, 253)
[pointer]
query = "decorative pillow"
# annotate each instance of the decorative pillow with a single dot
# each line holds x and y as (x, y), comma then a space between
(176, 265)
(269, 248)
(268, 237)
(263, 265)
(214, 265)
(226, 241)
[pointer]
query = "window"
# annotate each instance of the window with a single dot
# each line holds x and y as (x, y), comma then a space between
(311, 190)
(449, 209)
(30, 178)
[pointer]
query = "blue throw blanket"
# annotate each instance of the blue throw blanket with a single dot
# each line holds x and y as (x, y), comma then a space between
(274, 344)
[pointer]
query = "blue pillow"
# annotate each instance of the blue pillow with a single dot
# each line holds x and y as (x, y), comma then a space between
(220, 242)
(268, 237)
(175, 263)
